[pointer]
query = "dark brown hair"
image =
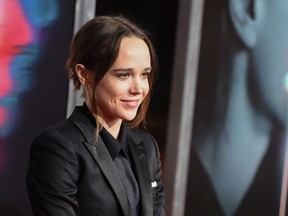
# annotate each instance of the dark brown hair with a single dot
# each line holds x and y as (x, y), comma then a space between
(96, 46)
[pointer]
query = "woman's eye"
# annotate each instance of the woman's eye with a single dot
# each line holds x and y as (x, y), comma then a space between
(145, 74)
(123, 76)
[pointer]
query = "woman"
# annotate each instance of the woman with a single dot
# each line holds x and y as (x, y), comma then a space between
(241, 110)
(97, 162)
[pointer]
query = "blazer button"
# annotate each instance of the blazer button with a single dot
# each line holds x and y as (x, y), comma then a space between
(141, 156)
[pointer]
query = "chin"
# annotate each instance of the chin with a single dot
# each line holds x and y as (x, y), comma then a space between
(129, 118)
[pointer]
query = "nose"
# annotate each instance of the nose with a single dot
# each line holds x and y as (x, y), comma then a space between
(136, 86)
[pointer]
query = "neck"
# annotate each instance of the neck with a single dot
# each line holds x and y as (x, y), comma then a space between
(238, 147)
(241, 116)
(113, 127)
(233, 154)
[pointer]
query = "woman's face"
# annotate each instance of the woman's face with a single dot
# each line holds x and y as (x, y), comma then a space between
(124, 87)
(270, 58)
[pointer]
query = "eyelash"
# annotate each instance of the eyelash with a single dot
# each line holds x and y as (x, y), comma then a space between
(123, 75)
(126, 75)
(145, 74)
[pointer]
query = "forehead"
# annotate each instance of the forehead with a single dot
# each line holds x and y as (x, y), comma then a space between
(133, 51)
(133, 43)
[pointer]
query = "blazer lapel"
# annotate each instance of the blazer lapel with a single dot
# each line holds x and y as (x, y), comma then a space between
(140, 162)
(101, 157)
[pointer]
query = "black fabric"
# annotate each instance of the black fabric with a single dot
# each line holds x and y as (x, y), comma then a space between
(129, 182)
(85, 110)
(123, 166)
(112, 145)
(72, 173)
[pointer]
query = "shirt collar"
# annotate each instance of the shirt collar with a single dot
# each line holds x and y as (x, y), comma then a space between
(123, 141)
(113, 145)
(87, 112)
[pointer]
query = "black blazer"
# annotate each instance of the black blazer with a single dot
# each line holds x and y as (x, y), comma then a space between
(70, 174)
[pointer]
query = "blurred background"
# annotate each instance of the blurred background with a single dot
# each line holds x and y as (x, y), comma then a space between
(205, 59)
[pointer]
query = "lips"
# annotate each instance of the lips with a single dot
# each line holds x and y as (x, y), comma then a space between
(131, 103)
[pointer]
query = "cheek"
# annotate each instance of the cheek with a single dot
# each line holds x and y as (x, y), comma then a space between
(110, 94)
(146, 88)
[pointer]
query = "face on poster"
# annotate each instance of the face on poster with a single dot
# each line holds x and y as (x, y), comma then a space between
(21, 40)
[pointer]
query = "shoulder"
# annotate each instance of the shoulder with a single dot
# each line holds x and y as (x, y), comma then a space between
(62, 133)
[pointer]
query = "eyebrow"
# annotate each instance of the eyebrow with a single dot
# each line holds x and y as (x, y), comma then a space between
(129, 69)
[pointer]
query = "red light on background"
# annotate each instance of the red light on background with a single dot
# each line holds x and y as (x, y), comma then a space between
(2, 116)
(15, 33)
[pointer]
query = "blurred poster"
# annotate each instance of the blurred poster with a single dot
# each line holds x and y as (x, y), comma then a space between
(34, 42)
(240, 120)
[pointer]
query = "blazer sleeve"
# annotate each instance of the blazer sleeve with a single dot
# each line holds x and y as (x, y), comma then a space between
(52, 176)
(158, 191)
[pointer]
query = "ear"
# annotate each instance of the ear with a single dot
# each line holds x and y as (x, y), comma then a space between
(82, 73)
(245, 16)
